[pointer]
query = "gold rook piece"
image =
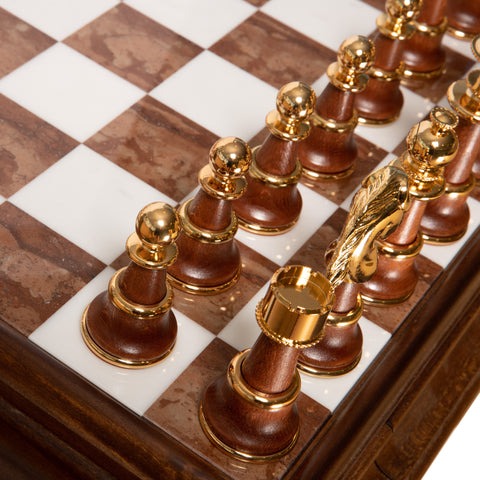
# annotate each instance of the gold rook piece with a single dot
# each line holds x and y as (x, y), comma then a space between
(272, 202)
(446, 219)
(431, 145)
(376, 211)
(209, 259)
(131, 324)
(329, 152)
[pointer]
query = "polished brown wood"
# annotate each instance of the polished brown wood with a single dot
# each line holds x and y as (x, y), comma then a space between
(330, 152)
(197, 264)
(463, 17)
(424, 54)
(264, 204)
(269, 368)
(395, 278)
(447, 217)
(340, 348)
(382, 101)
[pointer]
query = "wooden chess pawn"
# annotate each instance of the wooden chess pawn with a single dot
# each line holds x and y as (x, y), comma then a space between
(384, 197)
(424, 55)
(209, 259)
(431, 145)
(272, 203)
(382, 100)
(131, 325)
(251, 412)
(463, 18)
(329, 152)
(446, 219)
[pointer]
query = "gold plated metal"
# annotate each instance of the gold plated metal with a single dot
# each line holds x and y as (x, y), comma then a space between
(137, 309)
(295, 103)
(223, 177)
(453, 190)
(202, 290)
(203, 235)
(322, 373)
(115, 360)
(354, 58)
(431, 144)
(312, 174)
(444, 240)
(274, 180)
(255, 397)
(348, 318)
(156, 228)
(295, 307)
(388, 76)
(404, 251)
(376, 210)
(397, 21)
(333, 125)
(238, 453)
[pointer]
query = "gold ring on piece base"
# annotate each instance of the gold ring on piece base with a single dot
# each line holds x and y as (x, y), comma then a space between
(203, 290)
(385, 302)
(432, 240)
(114, 359)
(238, 453)
(319, 372)
(314, 175)
(377, 123)
(263, 230)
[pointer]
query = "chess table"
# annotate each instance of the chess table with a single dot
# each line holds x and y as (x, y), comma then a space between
(106, 106)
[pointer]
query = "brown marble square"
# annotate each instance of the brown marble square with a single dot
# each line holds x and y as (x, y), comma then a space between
(214, 312)
(273, 52)
(158, 145)
(19, 42)
(368, 157)
(457, 66)
(391, 317)
(312, 252)
(39, 270)
(28, 146)
(176, 412)
(133, 46)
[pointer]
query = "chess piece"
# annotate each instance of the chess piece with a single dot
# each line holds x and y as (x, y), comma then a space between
(329, 152)
(250, 412)
(382, 100)
(131, 325)
(272, 203)
(446, 219)
(423, 54)
(209, 260)
(376, 211)
(431, 145)
(463, 18)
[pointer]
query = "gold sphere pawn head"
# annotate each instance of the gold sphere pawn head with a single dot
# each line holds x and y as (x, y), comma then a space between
(354, 58)
(230, 157)
(228, 162)
(157, 226)
(396, 22)
(434, 142)
(295, 103)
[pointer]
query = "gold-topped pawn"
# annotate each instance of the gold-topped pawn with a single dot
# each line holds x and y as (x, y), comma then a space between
(431, 144)
(131, 325)
(209, 223)
(446, 219)
(330, 151)
(272, 202)
(382, 101)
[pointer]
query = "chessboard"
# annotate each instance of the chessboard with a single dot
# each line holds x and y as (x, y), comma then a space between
(107, 106)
